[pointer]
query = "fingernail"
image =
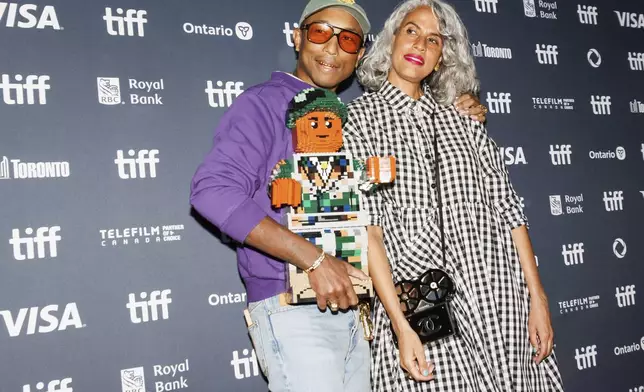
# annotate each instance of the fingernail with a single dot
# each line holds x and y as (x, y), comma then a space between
(425, 372)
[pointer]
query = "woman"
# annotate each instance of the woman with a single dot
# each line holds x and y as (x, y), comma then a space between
(418, 64)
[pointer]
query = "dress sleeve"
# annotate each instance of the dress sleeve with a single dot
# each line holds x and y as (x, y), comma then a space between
(498, 186)
(357, 141)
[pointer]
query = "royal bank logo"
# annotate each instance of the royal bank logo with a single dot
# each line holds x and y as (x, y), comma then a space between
(242, 30)
(64, 385)
(133, 380)
(578, 304)
(140, 235)
(29, 16)
(587, 14)
(122, 22)
(19, 170)
(553, 103)
(566, 205)
(223, 95)
(630, 19)
(140, 92)
(540, 9)
(483, 50)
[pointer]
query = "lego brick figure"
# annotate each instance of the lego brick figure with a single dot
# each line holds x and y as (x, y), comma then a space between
(320, 184)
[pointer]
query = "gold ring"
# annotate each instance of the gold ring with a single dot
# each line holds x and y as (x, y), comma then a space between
(484, 109)
(333, 305)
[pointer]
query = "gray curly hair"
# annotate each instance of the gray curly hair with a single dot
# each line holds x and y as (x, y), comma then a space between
(457, 74)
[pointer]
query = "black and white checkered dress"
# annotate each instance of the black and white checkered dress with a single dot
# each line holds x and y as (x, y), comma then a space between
(491, 306)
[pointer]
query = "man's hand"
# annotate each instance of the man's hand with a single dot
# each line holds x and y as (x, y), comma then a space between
(469, 105)
(331, 283)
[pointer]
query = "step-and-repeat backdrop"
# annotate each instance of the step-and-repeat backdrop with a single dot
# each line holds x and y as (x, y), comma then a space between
(109, 282)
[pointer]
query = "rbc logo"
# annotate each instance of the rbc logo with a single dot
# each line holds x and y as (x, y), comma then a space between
(109, 91)
(125, 25)
(44, 235)
(63, 385)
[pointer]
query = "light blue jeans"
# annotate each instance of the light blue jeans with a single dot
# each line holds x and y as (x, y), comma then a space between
(301, 349)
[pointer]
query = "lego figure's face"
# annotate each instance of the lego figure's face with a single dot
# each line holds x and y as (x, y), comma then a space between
(318, 132)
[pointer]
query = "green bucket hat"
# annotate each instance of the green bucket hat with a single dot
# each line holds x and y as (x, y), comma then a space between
(311, 100)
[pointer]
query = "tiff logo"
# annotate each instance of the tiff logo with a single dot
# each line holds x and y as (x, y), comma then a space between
(63, 385)
(288, 32)
(125, 24)
(561, 154)
(636, 106)
(221, 96)
(587, 14)
(625, 295)
(499, 102)
(488, 6)
(44, 235)
(33, 84)
(600, 104)
(547, 54)
(636, 61)
(127, 167)
(586, 357)
(613, 200)
(149, 309)
(243, 365)
(573, 253)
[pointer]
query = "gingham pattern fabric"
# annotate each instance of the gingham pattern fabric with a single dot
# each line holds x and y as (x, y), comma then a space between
(492, 351)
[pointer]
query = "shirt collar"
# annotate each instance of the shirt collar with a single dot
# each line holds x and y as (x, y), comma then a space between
(403, 103)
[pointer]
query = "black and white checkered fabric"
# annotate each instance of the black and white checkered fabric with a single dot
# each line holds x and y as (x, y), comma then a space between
(492, 353)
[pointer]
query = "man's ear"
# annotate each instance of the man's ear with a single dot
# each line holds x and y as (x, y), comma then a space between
(360, 56)
(297, 39)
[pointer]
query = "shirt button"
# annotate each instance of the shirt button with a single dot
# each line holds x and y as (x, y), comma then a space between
(433, 186)
(427, 156)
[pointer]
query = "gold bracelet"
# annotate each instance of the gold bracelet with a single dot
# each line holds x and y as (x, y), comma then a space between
(316, 263)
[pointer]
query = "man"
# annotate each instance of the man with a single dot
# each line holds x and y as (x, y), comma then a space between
(299, 348)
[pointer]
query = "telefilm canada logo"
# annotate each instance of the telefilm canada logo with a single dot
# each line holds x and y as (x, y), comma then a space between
(121, 237)
(553, 103)
(580, 304)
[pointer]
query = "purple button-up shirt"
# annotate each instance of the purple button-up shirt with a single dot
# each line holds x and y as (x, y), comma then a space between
(230, 186)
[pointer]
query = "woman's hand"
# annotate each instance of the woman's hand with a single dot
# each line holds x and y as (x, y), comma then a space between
(468, 105)
(540, 327)
(412, 355)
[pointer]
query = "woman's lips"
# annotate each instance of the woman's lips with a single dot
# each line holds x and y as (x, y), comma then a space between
(415, 59)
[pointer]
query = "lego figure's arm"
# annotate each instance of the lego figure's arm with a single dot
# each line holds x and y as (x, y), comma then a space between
(283, 189)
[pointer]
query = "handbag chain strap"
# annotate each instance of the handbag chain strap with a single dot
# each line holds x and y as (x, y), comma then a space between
(438, 188)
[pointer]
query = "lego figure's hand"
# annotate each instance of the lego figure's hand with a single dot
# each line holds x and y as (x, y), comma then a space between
(381, 170)
(286, 191)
